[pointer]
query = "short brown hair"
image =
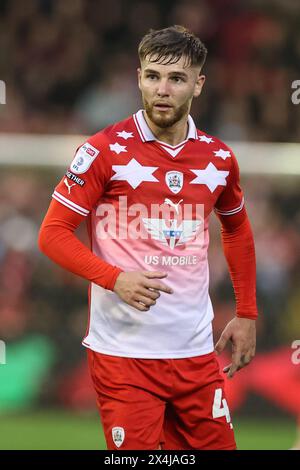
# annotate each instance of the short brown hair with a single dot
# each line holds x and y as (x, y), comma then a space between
(168, 45)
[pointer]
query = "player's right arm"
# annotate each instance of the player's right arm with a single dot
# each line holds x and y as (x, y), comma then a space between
(57, 240)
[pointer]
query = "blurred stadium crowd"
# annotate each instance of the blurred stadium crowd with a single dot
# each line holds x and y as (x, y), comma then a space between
(70, 66)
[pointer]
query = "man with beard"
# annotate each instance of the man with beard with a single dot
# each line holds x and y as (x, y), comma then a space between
(146, 187)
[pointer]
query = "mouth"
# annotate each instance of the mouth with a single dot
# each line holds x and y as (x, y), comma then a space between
(162, 106)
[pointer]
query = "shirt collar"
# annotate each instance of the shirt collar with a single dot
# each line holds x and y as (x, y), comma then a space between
(146, 134)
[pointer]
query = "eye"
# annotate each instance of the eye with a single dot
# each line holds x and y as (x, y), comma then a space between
(176, 79)
(152, 76)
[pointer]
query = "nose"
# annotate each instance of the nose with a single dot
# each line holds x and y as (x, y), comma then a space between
(163, 88)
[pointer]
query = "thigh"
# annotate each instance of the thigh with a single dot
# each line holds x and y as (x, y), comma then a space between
(132, 416)
(198, 416)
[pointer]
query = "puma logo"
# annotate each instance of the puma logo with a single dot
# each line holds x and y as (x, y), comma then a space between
(69, 186)
(173, 204)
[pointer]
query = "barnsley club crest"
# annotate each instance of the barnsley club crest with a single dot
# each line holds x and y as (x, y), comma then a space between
(118, 435)
(174, 180)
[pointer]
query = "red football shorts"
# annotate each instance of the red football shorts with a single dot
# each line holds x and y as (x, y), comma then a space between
(162, 403)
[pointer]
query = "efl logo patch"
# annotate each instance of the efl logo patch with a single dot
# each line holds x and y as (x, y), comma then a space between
(118, 435)
(84, 158)
(174, 180)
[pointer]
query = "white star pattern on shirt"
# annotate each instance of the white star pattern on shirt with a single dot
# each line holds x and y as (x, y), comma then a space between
(117, 148)
(125, 135)
(222, 153)
(211, 176)
(203, 138)
(134, 173)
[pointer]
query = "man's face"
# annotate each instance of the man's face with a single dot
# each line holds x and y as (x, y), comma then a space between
(168, 90)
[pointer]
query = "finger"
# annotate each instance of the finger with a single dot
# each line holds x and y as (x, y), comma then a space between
(145, 300)
(152, 294)
(244, 362)
(232, 371)
(139, 306)
(246, 359)
(226, 369)
(158, 286)
(236, 363)
(221, 343)
(154, 274)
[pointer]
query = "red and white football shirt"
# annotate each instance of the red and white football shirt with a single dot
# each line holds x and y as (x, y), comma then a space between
(147, 204)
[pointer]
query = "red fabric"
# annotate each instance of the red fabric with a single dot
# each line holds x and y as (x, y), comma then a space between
(167, 402)
(238, 246)
(58, 242)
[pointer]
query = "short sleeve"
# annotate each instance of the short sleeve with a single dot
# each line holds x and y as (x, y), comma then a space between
(231, 200)
(85, 179)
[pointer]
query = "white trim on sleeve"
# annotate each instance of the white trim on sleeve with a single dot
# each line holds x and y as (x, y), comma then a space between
(232, 211)
(71, 205)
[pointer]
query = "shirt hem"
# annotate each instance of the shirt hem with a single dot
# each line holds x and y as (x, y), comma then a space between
(143, 355)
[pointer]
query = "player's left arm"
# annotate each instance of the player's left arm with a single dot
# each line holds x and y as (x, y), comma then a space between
(239, 250)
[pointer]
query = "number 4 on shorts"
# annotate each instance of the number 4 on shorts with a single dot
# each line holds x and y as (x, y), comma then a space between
(218, 410)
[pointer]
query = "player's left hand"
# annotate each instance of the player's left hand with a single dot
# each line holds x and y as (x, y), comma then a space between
(242, 334)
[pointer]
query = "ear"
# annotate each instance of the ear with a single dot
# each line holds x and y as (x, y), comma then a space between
(199, 85)
(139, 74)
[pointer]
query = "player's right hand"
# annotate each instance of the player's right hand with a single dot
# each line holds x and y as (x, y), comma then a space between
(141, 289)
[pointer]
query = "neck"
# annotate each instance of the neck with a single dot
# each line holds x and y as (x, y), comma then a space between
(170, 135)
